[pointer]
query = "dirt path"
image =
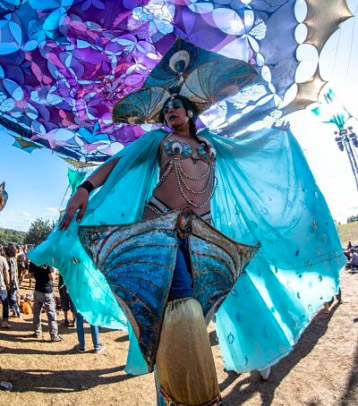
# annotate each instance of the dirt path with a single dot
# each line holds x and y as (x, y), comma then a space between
(321, 371)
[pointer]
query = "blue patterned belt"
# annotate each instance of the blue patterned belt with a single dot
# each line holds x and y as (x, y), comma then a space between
(159, 208)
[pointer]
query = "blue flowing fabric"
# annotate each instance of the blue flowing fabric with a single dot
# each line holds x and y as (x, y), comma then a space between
(266, 193)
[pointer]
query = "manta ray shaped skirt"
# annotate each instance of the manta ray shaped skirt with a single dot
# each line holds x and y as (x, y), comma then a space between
(138, 261)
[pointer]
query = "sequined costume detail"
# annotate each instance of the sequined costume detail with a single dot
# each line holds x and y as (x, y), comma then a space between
(159, 208)
(177, 151)
(182, 150)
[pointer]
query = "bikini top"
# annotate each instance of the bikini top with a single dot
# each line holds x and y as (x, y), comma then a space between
(182, 150)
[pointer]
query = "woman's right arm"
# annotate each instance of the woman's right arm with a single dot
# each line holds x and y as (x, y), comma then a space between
(80, 199)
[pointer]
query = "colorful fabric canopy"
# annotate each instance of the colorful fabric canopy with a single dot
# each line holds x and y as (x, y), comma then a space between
(62, 67)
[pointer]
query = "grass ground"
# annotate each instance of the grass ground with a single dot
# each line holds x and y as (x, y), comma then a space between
(348, 232)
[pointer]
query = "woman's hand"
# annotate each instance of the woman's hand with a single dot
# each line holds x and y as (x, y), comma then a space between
(80, 198)
(78, 201)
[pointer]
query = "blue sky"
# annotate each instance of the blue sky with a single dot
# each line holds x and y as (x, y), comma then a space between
(36, 182)
(330, 166)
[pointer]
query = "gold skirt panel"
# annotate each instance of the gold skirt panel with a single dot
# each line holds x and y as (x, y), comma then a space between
(185, 364)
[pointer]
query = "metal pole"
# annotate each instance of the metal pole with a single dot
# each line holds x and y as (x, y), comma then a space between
(351, 157)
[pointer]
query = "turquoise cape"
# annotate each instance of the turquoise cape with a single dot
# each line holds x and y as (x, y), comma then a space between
(266, 193)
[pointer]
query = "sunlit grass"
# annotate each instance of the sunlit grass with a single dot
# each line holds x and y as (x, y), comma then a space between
(348, 232)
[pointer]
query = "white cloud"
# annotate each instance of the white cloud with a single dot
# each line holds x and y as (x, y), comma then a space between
(21, 220)
(52, 210)
(16, 222)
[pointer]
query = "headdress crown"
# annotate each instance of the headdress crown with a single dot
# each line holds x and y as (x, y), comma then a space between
(201, 76)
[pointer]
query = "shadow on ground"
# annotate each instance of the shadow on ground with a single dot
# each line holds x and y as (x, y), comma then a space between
(47, 381)
(22, 331)
(350, 397)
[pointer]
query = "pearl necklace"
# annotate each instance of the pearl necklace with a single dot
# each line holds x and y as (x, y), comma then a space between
(181, 175)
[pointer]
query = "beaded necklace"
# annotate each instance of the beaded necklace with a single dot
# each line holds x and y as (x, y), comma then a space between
(176, 154)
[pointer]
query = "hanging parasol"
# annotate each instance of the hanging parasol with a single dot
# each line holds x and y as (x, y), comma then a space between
(3, 196)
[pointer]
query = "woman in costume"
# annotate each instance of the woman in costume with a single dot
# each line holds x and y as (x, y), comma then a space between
(172, 270)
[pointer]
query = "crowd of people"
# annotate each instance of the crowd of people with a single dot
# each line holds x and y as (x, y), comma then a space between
(351, 252)
(15, 271)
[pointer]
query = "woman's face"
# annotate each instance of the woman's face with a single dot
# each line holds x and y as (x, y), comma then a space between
(175, 115)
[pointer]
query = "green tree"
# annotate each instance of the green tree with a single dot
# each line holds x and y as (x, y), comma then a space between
(8, 235)
(38, 231)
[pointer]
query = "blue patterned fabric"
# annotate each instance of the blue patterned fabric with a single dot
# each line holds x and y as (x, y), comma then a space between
(64, 62)
(266, 193)
(182, 283)
(140, 264)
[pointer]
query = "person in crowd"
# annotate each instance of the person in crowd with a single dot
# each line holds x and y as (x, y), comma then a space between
(66, 303)
(44, 297)
(14, 282)
(22, 263)
(4, 285)
(80, 347)
(25, 305)
(353, 259)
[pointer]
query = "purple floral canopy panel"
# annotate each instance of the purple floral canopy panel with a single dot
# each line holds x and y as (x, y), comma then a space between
(62, 68)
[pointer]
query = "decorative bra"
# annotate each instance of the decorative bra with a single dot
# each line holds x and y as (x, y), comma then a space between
(177, 151)
(182, 150)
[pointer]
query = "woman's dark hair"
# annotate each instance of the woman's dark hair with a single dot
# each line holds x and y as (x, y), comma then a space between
(11, 251)
(188, 105)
